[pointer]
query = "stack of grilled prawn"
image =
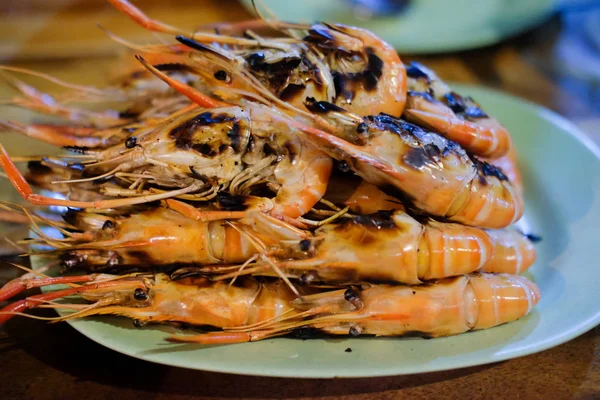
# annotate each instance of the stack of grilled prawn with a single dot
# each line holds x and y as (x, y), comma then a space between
(295, 182)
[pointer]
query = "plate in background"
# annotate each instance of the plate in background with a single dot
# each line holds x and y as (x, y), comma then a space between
(561, 172)
(426, 26)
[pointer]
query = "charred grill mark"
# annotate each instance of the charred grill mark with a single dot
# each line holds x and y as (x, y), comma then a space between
(346, 85)
(320, 36)
(70, 216)
(234, 136)
(425, 95)
(128, 114)
(321, 107)
(307, 332)
(532, 237)
(184, 133)
(291, 150)
(187, 272)
(142, 257)
(72, 260)
(464, 107)
(230, 202)
(343, 86)
(378, 220)
(374, 70)
(257, 62)
(173, 67)
(485, 170)
(425, 144)
(421, 157)
(291, 91)
(38, 168)
(77, 149)
(413, 71)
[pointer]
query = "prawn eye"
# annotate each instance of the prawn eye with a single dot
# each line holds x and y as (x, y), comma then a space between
(362, 128)
(305, 245)
(108, 224)
(140, 294)
(130, 142)
(221, 75)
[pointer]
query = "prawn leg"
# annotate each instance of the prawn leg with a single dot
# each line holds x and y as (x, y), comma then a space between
(202, 215)
(21, 185)
(63, 136)
(19, 285)
(194, 95)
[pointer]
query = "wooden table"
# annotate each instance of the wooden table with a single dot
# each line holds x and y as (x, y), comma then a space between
(46, 361)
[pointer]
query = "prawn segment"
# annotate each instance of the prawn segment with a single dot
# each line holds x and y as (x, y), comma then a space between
(432, 103)
(490, 201)
(503, 298)
(514, 253)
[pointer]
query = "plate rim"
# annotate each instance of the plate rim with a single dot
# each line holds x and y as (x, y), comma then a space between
(565, 125)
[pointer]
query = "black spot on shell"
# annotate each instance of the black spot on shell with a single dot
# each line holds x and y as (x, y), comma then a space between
(307, 332)
(38, 168)
(257, 62)
(128, 114)
(321, 107)
(234, 136)
(291, 91)
(77, 149)
(173, 67)
(414, 71)
(71, 260)
(379, 220)
(485, 170)
(425, 95)
(184, 133)
(230, 202)
(533, 238)
(421, 157)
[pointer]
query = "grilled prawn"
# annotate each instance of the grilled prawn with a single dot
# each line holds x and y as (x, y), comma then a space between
(252, 310)
(385, 246)
(199, 153)
(346, 65)
(436, 175)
